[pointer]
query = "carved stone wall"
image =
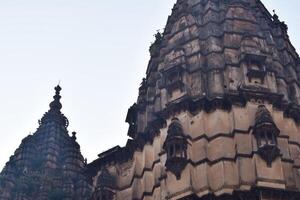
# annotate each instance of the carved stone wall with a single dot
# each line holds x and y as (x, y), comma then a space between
(222, 158)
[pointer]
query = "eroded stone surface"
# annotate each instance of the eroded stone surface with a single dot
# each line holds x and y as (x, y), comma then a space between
(216, 66)
(227, 73)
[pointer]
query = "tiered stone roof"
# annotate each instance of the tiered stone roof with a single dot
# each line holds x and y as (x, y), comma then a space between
(213, 66)
(219, 53)
(213, 55)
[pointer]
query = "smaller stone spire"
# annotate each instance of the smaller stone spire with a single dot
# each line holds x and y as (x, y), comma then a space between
(74, 135)
(282, 24)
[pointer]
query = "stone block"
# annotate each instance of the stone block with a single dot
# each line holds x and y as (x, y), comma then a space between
(149, 181)
(177, 186)
(211, 16)
(138, 187)
(294, 151)
(286, 126)
(297, 177)
(246, 171)
(216, 177)
(192, 47)
(215, 60)
(241, 118)
(199, 177)
(125, 194)
(213, 44)
(231, 56)
(197, 151)
(231, 174)
(126, 173)
(197, 125)
(289, 175)
(269, 176)
(148, 156)
(222, 119)
(244, 143)
(284, 148)
(221, 147)
(232, 40)
(196, 62)
(196, 84)
(240, 13)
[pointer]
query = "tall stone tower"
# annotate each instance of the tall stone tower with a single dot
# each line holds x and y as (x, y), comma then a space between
(217, 115)
(48, 165)
(217, 118)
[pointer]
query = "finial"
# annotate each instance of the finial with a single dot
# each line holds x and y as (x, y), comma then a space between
(275, 16)
(74, 135)
(54, 114)
(158, 37)
(282, 24)
(57, 89)
(56, 105)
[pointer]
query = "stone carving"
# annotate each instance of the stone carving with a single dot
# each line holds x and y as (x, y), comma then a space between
(176, 148)
(266, 133)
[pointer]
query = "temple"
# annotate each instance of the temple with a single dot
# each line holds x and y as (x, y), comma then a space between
(217, 118)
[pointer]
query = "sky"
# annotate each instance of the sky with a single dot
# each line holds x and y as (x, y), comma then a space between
(96, 49)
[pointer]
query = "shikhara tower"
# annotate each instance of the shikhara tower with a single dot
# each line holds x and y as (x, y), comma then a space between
(48, 164)
(217, 116)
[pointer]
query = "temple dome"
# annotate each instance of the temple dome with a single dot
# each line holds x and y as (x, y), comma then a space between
(215, 54)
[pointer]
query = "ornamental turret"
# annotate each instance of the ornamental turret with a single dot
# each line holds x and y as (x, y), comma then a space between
(176, 148)
(266, 133)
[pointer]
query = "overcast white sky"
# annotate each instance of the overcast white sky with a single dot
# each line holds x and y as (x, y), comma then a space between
(99, 51)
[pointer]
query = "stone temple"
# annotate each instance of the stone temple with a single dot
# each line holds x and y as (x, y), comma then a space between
(217, 118)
